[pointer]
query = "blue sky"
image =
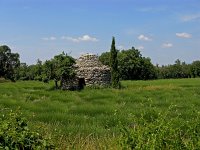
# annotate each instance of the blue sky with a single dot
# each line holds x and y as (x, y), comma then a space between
(163, 30)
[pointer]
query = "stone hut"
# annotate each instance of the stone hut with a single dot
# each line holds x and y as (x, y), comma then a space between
(89, 72)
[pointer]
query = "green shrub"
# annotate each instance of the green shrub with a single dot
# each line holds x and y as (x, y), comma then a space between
(161, 132)
(38, 78)
(16, 135)
(45, 79)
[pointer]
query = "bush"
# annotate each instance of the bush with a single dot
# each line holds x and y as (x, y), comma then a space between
(45, 79)
(16, 135)
(24, 78)
(160, 132)
(38, 78)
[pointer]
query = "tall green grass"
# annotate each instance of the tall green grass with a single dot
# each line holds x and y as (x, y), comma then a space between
(99, 113)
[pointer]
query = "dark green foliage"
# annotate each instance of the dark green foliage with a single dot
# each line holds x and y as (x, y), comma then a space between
(32, 72)
(49, 68)
(172, 71)
(9, 62)
(131, 65)
(195, 69)
(22, 72)
(64, 65)
(63, 68)
(38, 70)
(105, 58)
(16, 135)
(114, 66)
(179, 70)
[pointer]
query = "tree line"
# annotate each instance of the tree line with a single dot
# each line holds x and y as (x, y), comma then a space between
(60, 66)
(54, 69)
(179, 70)
(131, 66)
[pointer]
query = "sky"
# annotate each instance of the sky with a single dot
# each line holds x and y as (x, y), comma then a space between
(163, 30)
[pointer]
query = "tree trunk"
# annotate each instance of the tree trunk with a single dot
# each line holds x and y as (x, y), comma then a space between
(56, 83)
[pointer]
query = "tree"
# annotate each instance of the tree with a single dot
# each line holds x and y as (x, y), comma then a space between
(131, 65)
(177, 70)
(114, 66)
(38, 68)
(148, 70)
(105, 58)
(195, 68)
(48, 69)
(62, 68)
(22, 72)
(31, 73)
(9, 62)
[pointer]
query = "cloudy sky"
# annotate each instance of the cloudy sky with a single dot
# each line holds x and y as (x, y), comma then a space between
(163, 30)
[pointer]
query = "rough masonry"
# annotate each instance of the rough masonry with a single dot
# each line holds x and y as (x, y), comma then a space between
(89, 72)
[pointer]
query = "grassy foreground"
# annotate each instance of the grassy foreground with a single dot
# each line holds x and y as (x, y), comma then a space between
(93, 118)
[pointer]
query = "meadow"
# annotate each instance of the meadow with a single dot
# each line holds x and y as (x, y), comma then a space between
(94, 118)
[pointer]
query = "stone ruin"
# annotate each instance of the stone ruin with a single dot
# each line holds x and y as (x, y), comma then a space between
(89, 72)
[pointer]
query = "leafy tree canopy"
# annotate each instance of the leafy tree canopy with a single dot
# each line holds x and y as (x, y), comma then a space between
(131, 65)
(8, 63)
(61, 66)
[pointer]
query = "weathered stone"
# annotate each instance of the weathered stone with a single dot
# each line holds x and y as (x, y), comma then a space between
(90, 72)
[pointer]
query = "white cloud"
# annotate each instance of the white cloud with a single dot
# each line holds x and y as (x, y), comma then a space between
(84, 38)
(87, 38)
(144, 38)
(183, 35)
(120, 47)
(52, 38)
(192, 17)
(69, 38)
(167, 45)
(140, 47)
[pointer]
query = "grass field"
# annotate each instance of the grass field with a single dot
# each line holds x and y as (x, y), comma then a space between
(92, 118)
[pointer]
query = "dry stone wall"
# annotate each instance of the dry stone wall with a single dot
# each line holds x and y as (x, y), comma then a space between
(95, 76)
(91, 70)
(70, 84)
